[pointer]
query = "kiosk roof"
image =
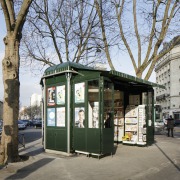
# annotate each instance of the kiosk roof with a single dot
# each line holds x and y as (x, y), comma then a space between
(74, 67)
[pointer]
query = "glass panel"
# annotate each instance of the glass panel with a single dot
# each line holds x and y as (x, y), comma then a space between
(93, 103)
(50, 116)
(158, 113)
(149, 108)
(108, 100)
(80, 92)
(60, 116)
(60, 94)
(51, 96)
(144, 98)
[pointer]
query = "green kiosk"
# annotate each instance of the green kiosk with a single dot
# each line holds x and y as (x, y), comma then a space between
(88, 110)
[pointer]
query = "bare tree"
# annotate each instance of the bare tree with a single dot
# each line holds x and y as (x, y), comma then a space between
(143, 27)
(14, 19)
(98, 4)
(154, 19)
(62, 30)
(32, 112)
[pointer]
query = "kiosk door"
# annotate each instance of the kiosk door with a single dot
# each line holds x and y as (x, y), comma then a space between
(93, 130)
(150, 118)
(79, 118)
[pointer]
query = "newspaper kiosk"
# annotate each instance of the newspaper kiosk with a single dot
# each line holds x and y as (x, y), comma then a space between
(86, 110)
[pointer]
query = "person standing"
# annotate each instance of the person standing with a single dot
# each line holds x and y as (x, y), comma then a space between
(108, 121)
(170, 126)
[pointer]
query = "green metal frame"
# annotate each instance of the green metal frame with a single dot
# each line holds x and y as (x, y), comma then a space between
(91, 140)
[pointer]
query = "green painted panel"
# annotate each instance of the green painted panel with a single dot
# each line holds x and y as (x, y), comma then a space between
(93, 141)
(50, 142)
(61, 139)
(56, 139)
(79, 141)
(108, 140)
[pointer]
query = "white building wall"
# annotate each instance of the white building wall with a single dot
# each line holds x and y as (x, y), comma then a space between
(35, 100)
(168, 74)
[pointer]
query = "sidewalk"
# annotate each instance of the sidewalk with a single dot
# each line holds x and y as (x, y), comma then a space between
(159, 161)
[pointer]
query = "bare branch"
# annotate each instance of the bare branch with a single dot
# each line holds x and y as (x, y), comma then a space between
(119, 14)
(6, 15)
(98, 9)
(137, 33)
(21, 16)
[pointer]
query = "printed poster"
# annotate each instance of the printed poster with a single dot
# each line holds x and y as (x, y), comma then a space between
(51, 117)
(60, 94)
(79, 92)
(60, 116)
(80, 117)
(51, 96)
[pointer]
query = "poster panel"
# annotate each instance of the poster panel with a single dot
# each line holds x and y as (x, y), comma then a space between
(60, 94)
(51, 117)
(93, 115)
(80, 117)
(79, 92)
(60, 116)
(51, 96)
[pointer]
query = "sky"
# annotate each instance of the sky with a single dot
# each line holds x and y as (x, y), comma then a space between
(29, 83)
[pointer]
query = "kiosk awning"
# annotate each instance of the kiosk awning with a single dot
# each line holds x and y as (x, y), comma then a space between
(133, 79)
(74, 67)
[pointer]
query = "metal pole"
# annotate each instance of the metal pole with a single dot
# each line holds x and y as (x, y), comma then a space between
(44, 113)
(68, 77)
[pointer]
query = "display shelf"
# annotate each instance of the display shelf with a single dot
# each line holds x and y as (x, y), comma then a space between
(118, 123)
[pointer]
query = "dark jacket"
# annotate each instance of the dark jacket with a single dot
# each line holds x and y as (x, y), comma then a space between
(170, 122)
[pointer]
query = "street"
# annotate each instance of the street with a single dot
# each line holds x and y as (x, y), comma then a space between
(158, 161)
(31, 134)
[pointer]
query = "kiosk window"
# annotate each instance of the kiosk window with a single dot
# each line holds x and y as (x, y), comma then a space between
(108, 102)
(93, 104)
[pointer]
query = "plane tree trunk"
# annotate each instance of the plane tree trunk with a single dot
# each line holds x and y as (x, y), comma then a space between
(10, 67)
(10, 64)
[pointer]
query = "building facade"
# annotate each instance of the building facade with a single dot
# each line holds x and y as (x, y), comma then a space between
(35, 100)
(168, 74)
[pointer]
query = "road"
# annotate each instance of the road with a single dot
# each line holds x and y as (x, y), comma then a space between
(31, 134)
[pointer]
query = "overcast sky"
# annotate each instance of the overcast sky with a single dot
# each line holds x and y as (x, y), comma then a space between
(29, 83)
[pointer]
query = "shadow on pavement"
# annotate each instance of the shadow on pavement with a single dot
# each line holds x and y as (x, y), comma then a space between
(25, 171)
(178, 168)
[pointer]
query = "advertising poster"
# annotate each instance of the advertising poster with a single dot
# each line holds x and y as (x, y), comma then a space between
(51, 117)
(60, 94)
(60, 116)
(79, 92)
(80, 117)
(93, 115)
(51, 96)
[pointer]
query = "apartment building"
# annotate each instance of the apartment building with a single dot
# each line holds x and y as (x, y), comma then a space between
(35, 100)
(168, 74)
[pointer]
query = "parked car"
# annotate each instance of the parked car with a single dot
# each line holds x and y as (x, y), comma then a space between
(21, 125)
(177, 122)
(27, 122)
(37, 123)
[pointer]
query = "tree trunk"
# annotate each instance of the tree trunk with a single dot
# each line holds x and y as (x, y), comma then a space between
(10, 64)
